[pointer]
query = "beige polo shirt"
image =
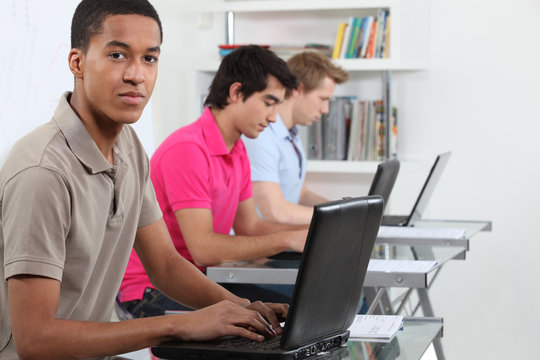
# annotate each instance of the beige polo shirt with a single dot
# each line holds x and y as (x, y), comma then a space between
(67, 214)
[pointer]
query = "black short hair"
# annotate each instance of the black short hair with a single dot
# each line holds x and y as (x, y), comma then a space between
(90, 14)
(250, 65)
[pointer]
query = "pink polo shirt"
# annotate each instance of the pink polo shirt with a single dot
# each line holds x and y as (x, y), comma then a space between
(193, 169)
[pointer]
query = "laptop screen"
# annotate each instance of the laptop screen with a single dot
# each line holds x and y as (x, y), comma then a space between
(332, 270)
(429, 186)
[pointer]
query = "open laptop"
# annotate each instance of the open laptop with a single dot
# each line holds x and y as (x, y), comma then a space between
(384, 179)
(382, 184)
(424, 196)
(327, 291)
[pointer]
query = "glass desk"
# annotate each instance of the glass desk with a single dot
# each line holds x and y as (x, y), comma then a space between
(267, 271)
(408, 344)
(471, 228)
(376, 283)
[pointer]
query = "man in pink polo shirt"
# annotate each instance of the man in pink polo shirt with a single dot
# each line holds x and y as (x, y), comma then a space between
(201, 174)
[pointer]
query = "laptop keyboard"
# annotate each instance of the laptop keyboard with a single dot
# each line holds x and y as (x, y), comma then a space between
(242, 343)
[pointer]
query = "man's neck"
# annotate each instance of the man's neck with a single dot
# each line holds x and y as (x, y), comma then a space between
(285, 111)
(225, 125)
(103, 134)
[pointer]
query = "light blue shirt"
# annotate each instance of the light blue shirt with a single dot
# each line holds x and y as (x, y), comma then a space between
(273, 158)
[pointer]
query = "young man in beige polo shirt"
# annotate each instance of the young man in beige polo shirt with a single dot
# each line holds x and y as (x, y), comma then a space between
(76, 197)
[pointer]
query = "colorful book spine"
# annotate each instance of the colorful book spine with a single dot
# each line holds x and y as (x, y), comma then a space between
(357, 22)
(386, 51)
(371, 42)
(367, 25)
(339, 40)
(346, 38)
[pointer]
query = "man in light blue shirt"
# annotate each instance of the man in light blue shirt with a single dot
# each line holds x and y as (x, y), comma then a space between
(278, 162)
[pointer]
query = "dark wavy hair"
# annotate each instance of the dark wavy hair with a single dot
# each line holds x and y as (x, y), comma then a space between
(250, 65)
(90, 14)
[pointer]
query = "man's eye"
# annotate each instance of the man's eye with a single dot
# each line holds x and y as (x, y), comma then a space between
(117, 56)
(150, 59)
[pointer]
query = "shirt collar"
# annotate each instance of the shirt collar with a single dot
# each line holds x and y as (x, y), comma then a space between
(81, 143)
(213, 137)
(280, 129)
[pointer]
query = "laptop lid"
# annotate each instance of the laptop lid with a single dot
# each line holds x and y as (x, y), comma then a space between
(332, 270)
(384, 179)
(428, 188)
(329, 282)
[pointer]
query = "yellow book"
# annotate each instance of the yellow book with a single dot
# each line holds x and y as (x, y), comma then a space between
(339, 40)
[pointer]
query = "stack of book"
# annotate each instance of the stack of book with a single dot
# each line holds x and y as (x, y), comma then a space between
(353, 130)
(364, 37)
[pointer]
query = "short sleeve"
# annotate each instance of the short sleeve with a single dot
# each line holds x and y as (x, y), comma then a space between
(184, 171)
(264, 158)
(150, 210)
(35, 223)
(246, 188)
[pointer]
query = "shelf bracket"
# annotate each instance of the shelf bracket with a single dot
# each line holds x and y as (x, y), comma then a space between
(229, 28)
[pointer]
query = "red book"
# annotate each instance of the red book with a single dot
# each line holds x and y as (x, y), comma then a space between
(371, 44)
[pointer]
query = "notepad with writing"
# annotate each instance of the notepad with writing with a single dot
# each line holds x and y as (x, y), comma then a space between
(375, 327)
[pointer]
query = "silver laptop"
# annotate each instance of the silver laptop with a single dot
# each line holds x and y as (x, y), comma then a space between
(424, 196)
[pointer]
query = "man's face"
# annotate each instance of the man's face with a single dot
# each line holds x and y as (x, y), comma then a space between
(119, 69)
(309, 107)
(260, 109)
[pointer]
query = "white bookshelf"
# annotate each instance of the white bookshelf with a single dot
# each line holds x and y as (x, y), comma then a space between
(276, 22)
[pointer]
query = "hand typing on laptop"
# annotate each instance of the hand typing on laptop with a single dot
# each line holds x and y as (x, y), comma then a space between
(254, 321)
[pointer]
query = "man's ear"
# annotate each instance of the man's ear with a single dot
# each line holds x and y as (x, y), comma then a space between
(298, 91)
(75, 62)
(235, 92)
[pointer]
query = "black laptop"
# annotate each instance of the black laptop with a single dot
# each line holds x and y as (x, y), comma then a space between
(382, 184)
(326, 294)
(424, 196)
(384, 179)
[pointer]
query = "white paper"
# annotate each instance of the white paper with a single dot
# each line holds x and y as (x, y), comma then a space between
(375, 326)
(405, 266)
(412, 232)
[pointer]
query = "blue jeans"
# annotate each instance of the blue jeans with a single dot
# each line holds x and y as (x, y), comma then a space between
(155, 303)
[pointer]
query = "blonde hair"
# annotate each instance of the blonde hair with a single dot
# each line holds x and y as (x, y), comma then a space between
(311, 68)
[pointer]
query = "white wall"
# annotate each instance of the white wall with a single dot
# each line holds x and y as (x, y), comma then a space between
(480, 99)
(35, 72)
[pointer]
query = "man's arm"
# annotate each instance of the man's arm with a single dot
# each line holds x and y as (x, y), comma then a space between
(254, 237)
(190, 286)
(274, 207)
(309, 198)
(39, 334)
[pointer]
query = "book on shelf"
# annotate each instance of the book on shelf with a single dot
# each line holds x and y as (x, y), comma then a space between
(393, 134)
(334, 129)
(351, 52)
(386, 50)
(366, 29)
(363, 37)
(346, 38)
(339, 40)
(370, 51)
(354, 130)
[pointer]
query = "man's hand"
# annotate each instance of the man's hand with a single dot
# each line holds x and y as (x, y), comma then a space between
(225, 319)
(272, 312)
